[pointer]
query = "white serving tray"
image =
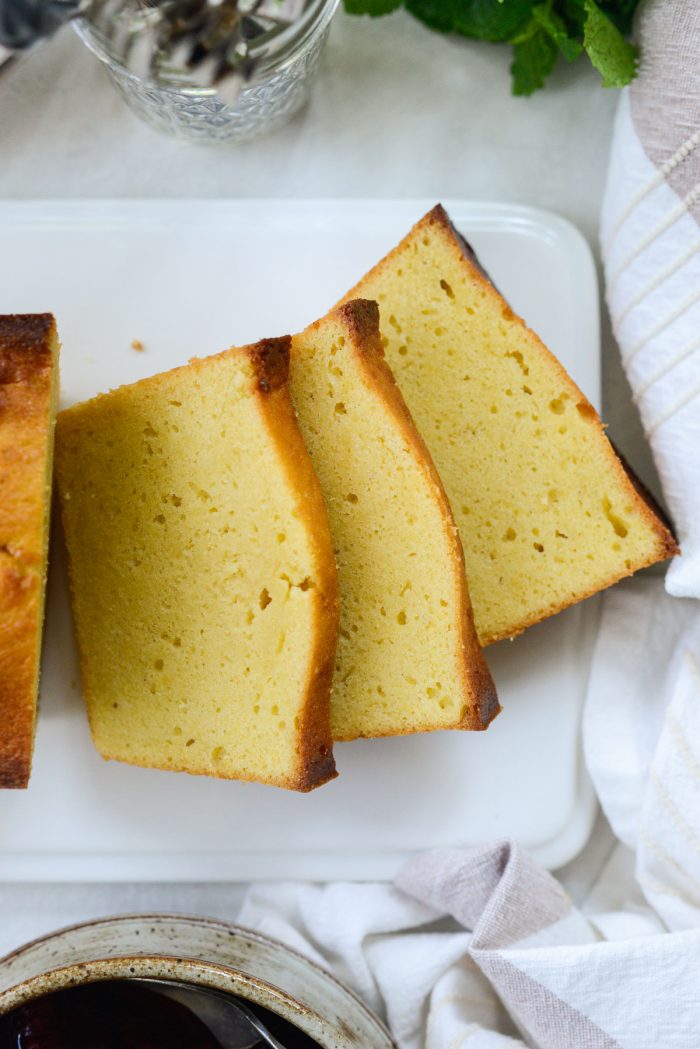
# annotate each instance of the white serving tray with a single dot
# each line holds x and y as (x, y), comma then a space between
(190, 278)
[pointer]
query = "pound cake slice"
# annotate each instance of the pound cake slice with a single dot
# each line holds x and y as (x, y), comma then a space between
(202, 572)
(28, 399)
(547, 513)
(408, 659)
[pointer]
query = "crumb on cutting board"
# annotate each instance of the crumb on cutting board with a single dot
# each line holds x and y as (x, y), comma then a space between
(137, 345)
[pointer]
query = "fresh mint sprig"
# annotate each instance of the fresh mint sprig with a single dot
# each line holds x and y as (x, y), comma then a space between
(540, 31)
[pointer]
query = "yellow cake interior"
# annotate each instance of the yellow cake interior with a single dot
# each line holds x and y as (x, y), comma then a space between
(546, 513)
(399, 665)
(193, 573)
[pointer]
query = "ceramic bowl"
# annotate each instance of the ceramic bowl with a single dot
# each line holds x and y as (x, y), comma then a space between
(202, 952)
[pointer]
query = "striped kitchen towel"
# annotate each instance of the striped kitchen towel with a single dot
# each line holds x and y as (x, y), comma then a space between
(642, 720)
(481, 948)
(650, 241)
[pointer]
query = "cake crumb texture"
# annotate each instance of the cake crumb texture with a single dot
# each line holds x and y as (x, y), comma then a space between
(408, 659)
(546, 512)
(28, 396)
(202, 573)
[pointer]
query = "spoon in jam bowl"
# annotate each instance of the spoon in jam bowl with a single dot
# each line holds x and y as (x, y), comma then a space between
(231, 1022)
(144, 1013)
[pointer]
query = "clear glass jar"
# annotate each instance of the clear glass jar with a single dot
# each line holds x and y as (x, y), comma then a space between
(284, 73)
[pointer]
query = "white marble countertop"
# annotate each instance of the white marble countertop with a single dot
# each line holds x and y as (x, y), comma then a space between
(397, 112)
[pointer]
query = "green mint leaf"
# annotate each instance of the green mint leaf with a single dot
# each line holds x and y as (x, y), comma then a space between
(620, 12)
(538, 30)
(613, 56)
(435, 14)
(555, 27)
(483, 19)
(371, 7)
(534, 58)
(574, 14)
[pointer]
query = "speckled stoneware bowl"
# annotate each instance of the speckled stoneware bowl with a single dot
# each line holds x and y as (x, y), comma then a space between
(202, 952)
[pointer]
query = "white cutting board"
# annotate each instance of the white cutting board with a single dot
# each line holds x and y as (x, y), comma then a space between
(190, 278)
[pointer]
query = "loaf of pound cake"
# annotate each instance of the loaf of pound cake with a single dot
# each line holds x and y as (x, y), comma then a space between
(202, 573)
(28, 401)
(547, 513)
(408, 658)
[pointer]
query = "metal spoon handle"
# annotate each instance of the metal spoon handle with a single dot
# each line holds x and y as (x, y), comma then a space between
(228, 1017)
(265, 1035)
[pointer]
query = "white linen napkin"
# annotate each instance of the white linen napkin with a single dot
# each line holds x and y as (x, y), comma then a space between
(642, 740)
(481, 947)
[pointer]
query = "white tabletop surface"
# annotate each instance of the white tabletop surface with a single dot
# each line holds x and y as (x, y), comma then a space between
(397, 112)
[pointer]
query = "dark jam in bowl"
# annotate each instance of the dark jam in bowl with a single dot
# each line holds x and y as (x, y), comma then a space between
(119, 1015)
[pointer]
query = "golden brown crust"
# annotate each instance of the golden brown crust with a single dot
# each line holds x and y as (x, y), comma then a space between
(270, 359)
(28, 374)
(658, 521)
(27, 331)
(315, 743)
(361, 320)
(302, 784)
(439, 217)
